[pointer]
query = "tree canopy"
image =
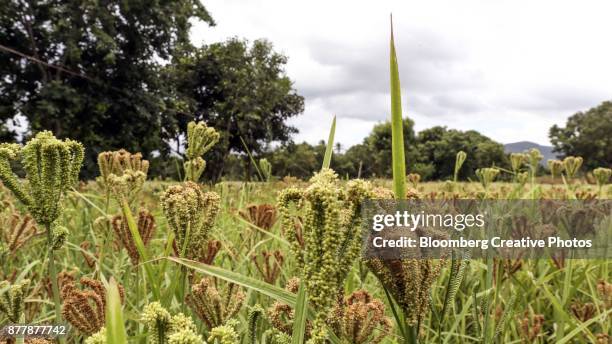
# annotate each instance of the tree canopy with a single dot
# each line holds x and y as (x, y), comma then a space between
(586, 134)
(242, 90)
(90, 70)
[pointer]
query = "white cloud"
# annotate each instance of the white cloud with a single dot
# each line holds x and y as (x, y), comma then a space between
(509, 69)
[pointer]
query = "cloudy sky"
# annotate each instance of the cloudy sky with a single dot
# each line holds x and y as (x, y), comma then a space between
(509, 69)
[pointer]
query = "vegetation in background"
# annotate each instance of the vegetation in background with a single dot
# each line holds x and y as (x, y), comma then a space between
(586, 134)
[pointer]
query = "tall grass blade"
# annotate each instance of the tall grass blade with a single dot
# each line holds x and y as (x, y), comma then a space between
(584, 326)
(397, 127)
(115, 328)
(261, 177)
(140, 247)
(301, 313)
(330, 145)
(262, 287)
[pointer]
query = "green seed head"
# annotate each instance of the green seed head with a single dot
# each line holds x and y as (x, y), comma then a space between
(51, 165)
(58, 236)
(164, 328)
(126, 186)
(12, 301)
(97, 338)
(602, 175)
(266, 168)
(572, 165)
(331, 237)
(522, 178)
(117, 163)
(194, 168)
(459, 160)
(534, 157)
(200, 139)
(225, 334)
(487, 175)
(556, 167)
(157, 319)
(517, 160)
(185, 337)
(191, 214)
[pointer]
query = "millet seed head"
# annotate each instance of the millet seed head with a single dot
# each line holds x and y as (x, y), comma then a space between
(191, 213)
(51, 165)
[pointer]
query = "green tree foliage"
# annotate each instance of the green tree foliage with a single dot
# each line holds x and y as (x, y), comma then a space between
(238, 88)
(438, 146)
(104, 87)
(586, 134)
(431, 153)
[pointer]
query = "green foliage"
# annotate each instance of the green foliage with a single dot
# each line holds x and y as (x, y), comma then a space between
(439, 146)
(586, 134)
(240, 89)
(107, 91)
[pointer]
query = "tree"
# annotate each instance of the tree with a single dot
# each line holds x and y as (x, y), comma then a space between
(438, 146)
(242, 90)
(586, 134)
(90, 70)
(376, 158)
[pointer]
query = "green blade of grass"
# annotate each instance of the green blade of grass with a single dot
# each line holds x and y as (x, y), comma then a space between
(140, 247)
(115, 328)
(397, 128)
(330, 145)
(301, 313)
(261, 178)
(583, 327)
(262, 287)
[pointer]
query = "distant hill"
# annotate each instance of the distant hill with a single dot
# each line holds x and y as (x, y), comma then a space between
(519, 147)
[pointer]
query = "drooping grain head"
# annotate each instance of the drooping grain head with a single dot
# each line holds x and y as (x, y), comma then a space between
(360, 319)
(522, 178)
(261, 215)
(269, 264)
(85, 309)
(117, 163)
(146, 229)
(213, 306)
(459, 160)
(409, 282)
(200, 139)
(414, 179)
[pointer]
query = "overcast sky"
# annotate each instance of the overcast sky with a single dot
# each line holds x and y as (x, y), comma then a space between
(509, 69)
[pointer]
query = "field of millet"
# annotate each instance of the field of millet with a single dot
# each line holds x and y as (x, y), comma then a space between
(124, 259)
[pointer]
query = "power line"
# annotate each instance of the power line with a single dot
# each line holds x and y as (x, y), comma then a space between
(60, 68)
